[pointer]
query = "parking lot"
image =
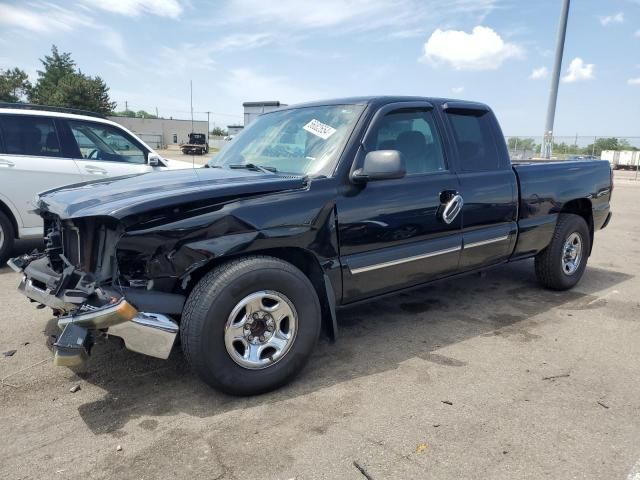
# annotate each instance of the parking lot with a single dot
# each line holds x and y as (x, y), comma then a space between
(480, 377)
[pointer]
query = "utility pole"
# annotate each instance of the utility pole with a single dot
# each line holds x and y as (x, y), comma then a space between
(208, 128)
(547, 143)
(191, 89)
(157, 115)
(126, 106)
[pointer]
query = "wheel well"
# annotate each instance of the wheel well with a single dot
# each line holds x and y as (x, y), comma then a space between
(5, 209)
(582, 207)
(302, 259)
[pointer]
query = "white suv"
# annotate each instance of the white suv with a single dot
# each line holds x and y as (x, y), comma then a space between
(43, 148)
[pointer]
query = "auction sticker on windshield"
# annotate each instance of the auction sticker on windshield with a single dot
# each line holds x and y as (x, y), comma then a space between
(319, 129)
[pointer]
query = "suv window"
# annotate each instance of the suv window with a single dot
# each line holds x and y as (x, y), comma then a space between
(25, 135)
(412, 132)
(474, 138)
(103, 142)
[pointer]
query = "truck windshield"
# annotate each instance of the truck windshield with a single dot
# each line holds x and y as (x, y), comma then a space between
(300, 141)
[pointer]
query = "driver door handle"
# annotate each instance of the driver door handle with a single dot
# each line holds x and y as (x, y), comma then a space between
(452, 207)
(6, 163)
(95, 170)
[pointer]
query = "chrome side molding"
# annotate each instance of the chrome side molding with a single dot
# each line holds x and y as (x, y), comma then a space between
(486, 242)
(355, 271)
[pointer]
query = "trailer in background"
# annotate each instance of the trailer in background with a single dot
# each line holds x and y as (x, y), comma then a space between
(621, 158)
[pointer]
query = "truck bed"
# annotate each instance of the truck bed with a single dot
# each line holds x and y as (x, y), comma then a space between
(549, 188)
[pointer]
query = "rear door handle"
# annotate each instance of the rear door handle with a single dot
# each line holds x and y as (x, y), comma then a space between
(452, 208)
(95, 170)
(6, 163)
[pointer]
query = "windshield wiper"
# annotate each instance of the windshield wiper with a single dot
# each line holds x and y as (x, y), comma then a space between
(253, 166)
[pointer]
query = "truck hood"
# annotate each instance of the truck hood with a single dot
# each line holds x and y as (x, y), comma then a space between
(121, 197)
(172, 164)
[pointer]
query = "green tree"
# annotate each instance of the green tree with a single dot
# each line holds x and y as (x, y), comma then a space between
(14, 85)
(143, 114)
(219, 132)
(610, 143)
(126, 113)
(61, 85)
(132, 114)
(522, 144)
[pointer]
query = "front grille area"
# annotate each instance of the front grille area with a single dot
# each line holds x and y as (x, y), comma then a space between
(59, 240)
(71, 244)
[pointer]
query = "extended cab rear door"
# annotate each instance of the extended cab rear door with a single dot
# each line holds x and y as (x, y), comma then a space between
(391, 232)
(487, 184)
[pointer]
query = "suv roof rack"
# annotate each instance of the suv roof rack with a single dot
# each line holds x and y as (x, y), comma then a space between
(32, 106)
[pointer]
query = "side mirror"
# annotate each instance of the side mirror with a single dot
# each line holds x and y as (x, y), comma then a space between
(380, 165)
(155, 160)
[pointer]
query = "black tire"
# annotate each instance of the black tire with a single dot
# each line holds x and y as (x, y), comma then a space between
(7, 238)
(210, 304)
(549, 265)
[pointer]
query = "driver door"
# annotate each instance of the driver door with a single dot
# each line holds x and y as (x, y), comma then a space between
(103, 150)
(391, 232)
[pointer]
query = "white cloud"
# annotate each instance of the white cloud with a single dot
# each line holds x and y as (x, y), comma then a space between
(41, 17)
(349, 14)
(247, 84)
(114, 42)
(134, 8)
(410, 33)
(459, 89)
(539, 73)
(637, 34)
(189, 56)
(634, 81)
(242, 41)
(614, 18)
(578, 70)
(482, 49)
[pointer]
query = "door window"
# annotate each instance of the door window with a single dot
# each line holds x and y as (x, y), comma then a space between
(413, 133)
(103, 142)
(34, 136)
(475, 141)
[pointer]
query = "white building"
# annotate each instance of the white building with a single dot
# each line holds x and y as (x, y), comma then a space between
(160, 132)
(253, 109)
(234, 129)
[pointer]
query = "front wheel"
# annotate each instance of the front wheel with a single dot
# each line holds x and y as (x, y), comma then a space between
(7, 236)
(250, 325)
(561, 265)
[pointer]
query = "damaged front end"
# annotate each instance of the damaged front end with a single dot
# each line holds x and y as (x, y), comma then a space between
(77, 277)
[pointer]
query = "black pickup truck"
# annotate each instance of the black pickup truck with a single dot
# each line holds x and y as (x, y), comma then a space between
(311, 208)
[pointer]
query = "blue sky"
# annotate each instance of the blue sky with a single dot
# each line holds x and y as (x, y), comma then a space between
(496, 51)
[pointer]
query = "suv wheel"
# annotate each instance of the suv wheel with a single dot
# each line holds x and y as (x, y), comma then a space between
(561, 265)
(250, 325)
(7, 236)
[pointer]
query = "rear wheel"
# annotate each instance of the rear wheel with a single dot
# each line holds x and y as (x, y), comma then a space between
(561, 265)
(7, 237)
(250, 325)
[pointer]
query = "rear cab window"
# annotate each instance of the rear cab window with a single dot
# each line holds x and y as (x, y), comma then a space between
(475, 140)
(29, 135)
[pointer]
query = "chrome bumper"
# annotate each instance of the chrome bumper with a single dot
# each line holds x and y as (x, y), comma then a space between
(147, 333)
(45, 297)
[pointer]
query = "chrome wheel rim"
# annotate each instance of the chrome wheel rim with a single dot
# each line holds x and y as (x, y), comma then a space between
(261, 329)
(572, 254)
(1, 237)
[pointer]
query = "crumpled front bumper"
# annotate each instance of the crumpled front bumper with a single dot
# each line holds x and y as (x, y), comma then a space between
(151, 334)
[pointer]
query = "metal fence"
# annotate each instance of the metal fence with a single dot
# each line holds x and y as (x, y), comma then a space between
(525, 147)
